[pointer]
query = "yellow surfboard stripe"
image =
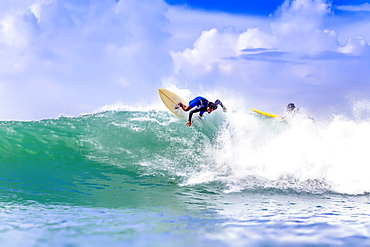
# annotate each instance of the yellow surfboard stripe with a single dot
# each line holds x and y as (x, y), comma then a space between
(264, 113)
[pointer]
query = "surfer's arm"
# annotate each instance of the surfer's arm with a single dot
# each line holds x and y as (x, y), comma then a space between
(218, 102)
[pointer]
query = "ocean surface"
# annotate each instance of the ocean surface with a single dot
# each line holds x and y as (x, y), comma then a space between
(142, 178)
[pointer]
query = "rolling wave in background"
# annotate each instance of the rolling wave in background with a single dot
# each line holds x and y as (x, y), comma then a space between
(143, 178)
(73, 157)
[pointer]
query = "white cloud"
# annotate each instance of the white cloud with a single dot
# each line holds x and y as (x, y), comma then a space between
(355, 8)
(101, 50)
(298, 28)
(254, 38)
(208, 52)
(355, 46)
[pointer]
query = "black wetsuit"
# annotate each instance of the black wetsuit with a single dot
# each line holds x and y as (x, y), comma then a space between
(200, 104)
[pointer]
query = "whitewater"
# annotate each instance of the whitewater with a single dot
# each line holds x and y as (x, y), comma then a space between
(142, 178)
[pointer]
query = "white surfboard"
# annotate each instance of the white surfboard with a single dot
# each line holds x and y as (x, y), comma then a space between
(171, 100)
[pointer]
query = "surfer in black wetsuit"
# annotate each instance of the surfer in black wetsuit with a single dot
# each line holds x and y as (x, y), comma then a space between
(201, 105)
(291, 108)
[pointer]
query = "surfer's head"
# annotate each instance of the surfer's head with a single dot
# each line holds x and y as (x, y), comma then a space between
(290, 107)
(211, 107)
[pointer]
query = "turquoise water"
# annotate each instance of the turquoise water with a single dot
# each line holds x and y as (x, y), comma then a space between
(131, 178)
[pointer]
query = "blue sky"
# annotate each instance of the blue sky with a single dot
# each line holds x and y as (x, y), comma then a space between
(264, 7)
(250, 7)
(73, 57)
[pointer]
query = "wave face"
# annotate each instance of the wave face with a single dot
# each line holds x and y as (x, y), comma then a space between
(109, 158)
(130, 158)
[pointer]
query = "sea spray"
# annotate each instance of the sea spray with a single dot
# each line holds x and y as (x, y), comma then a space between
(297, 153)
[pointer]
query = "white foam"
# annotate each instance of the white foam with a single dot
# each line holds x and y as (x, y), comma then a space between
(301, 154)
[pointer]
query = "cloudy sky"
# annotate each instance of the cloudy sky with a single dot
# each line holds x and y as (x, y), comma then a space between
(76, 56)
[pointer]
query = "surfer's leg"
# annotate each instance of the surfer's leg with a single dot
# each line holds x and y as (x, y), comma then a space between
(187, 108)
(184, 107)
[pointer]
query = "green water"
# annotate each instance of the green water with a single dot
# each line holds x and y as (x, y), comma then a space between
(108, 159)
(145, 179)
